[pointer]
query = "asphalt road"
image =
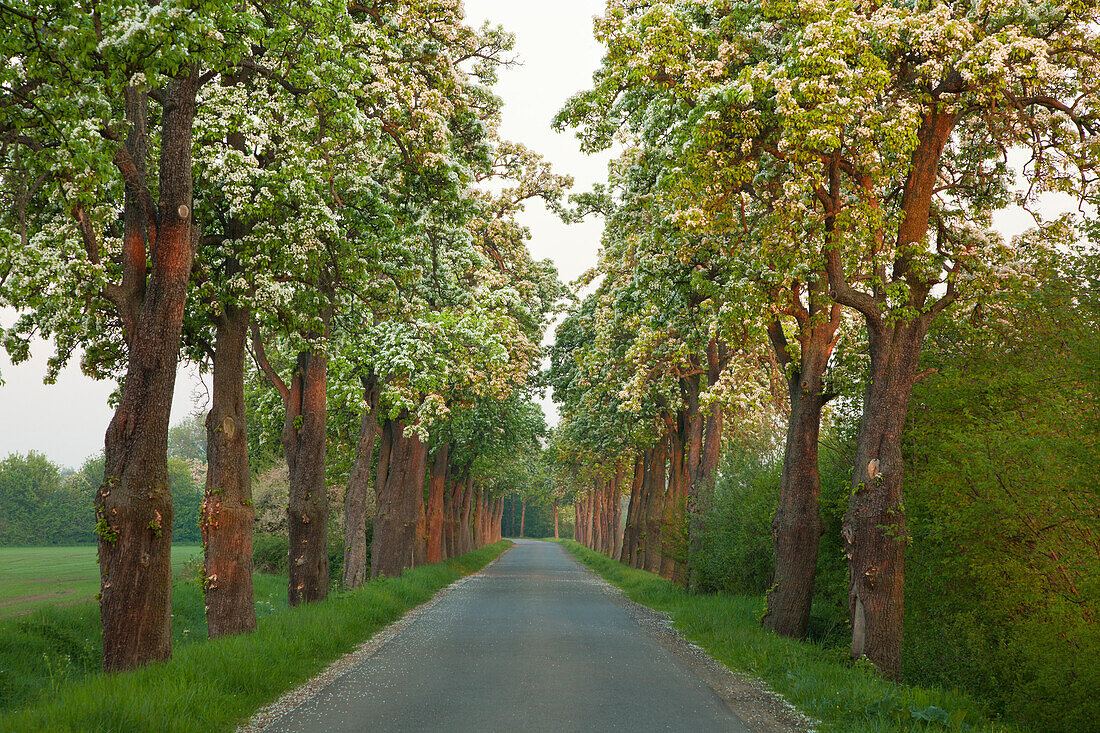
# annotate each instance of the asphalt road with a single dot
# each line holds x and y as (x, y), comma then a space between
(530, 644)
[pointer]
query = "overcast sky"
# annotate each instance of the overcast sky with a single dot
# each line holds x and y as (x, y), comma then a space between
(66, 421)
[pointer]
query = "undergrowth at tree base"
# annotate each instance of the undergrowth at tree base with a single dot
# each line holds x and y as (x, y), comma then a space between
(216, 685)
(818, 679)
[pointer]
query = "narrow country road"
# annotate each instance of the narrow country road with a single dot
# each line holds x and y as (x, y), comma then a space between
(532, 643)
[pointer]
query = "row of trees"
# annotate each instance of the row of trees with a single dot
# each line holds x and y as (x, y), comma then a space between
(817, 181)
(44, 504)
(320, 184)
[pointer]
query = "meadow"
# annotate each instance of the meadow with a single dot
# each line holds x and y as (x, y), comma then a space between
(32, 578)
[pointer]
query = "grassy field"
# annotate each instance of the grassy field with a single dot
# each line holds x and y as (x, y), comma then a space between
(39, 577)
(817, 679)
(48, 659)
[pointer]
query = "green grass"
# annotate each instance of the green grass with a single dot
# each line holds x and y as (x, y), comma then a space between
(818, 680)
(38, 577)
(44, 652)
(215, 685)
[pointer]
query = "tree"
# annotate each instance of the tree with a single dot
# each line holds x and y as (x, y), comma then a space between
(891, 124)
(96, 95)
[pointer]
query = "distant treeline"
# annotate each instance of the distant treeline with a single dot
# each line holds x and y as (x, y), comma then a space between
(44, 504)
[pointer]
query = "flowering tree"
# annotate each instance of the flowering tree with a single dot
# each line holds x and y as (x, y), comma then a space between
(889, 125)
(100, 249)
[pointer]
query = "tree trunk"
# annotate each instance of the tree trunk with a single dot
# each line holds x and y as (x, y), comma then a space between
(450, 522)
(304, 435)
(617, 512)
(671, 553)
(655, 507)
(465, 528)
(133, 507)
(227, 512)
(398, 502)
(796, 524)
(497, 519)
(638, 533)
(359, 484)
(555, 520)
(875, 529)
(522, 517)
(436, 488)
(626, 551)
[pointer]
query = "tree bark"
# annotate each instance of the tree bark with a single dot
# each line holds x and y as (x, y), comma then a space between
(227, 513)
(133, 507)
(796, 524)
(626, 552)
(555, 520)
(465, 528)
(359, 484)
(875, 529)
(617, 510)
(398, 502)
(436, 487)
(450, 521)
(522, 517)
(304, 435)
(655, 507)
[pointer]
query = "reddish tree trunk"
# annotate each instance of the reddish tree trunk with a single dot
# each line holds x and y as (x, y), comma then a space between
(796, 524)
(630, 533)
(617, 528)
(304, 435)
(359, 485)
(671, 552)
(448, 519)
(655, 506)
(418, 478)
(497, 519)
(134, 506)
(555, 520)
(436, 488)
(398, 501)
(522, 517)
(476, 520)
(638, 534)
(227, 512)
(486, 520)
(465, 527)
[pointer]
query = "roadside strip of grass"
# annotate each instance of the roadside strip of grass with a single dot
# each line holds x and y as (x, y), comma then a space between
(818, 680)
(215, 685)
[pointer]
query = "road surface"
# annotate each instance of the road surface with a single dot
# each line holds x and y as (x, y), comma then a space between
(530, 644)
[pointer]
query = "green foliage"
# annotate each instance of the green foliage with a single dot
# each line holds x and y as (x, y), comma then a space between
(1003, 469)
(736, 553)
(215, 685)
(187, 439)
(271, 553)
(38, 508)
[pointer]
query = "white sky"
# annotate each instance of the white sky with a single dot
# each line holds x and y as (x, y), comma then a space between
(67, 421)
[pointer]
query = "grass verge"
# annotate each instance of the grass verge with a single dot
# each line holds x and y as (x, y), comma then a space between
(818, 680)
(215, 685)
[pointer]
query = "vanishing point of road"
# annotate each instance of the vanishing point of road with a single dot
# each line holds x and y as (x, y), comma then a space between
(531, 643)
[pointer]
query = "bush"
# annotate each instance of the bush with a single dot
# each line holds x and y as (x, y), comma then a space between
(736, 553)
(271, 553)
